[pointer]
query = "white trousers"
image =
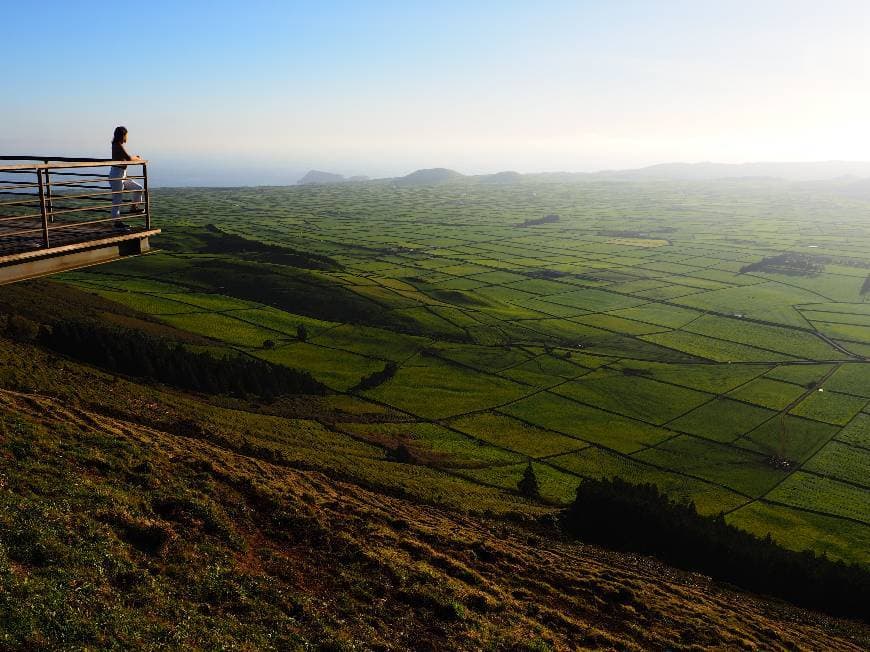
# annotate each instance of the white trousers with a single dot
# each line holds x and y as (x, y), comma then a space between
(118, 182)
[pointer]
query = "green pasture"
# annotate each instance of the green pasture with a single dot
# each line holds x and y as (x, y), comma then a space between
(337, 369)
(857, 433)
(772, 394)
(432, 388)
(839, 461)
(712, 378)
(585, 422)
(436, 445)
(734, 468)
(802, 530)
(555, 486)
(851, 378)
(824, 494)
(502, 430)
(830, 407)
(717, 350)
(788, 437)
(595, 462)
(722, 419)
(633, 396)
(568, 343)
(800, 374)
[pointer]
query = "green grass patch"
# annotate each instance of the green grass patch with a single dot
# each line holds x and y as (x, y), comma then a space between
(369, 341)
(434, 389)
(588, 423)
(712, 349)
(633, 396)
(554, 485)
(736, 469)
(515, 435)
(484, 358)
(841, 462)
(800, 374)
(593, 300)
(211, 302)
(619, 324)
(713, 378)
(431, 444)
(823, 495)
(848, 332)
(773, 302)
(851, 378)
(659, 314)
(597, 463)
(545, 371)
(857, 432)
(789, 437)
(283, 322)
(222, 328)
(722, 420)
(784, 340)
(830, 407)
(800, 530)
(148, 304)
(339, 370)
(768, 393)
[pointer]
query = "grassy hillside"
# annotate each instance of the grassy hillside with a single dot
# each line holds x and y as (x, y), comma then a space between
(134, 516)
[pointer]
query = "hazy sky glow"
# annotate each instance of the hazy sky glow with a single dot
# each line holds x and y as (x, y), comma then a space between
(381, 88)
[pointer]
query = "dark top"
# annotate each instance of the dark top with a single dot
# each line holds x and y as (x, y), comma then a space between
(119, 153)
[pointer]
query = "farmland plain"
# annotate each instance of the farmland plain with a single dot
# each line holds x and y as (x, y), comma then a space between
(647, 332)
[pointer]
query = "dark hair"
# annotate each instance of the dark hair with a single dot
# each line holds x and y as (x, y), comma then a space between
(120, 132)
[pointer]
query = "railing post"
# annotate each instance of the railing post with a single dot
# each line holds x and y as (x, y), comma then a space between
(42, 207)
(48, 205)
(146, 196)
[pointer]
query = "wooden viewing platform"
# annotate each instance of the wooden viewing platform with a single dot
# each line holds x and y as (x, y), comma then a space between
(56, 214)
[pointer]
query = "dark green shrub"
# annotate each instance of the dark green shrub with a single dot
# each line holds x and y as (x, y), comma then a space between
(638, 517)
(528, 485)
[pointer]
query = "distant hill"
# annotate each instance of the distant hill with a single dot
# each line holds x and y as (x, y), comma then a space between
(428, 177)
(508, 176)
(318, 176)
(822, 171)
(809, 171)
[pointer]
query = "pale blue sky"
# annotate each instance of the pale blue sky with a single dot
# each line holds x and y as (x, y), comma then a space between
(385, 87)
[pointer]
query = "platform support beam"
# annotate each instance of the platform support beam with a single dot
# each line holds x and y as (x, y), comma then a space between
(74, 259)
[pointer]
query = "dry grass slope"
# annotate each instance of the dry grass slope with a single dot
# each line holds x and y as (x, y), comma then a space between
(211, 547)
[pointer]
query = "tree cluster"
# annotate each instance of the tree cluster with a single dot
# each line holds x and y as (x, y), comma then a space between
(377, 377)
(136, 354)
(789, 263)
(547, 219)
(639, 518)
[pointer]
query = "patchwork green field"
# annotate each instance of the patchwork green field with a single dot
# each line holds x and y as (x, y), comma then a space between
(644, 333)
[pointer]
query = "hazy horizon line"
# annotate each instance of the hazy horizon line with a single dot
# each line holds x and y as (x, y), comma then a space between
(272, 173)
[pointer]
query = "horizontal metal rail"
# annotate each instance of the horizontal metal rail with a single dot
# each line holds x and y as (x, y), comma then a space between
(48, 159)
(20, 202)
(60, 191)
(65, 166)
(20, 217)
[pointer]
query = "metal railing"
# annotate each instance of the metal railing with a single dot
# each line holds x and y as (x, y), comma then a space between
(45, 199)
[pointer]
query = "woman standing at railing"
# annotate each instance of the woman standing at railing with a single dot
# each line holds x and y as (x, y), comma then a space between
(118, 180)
